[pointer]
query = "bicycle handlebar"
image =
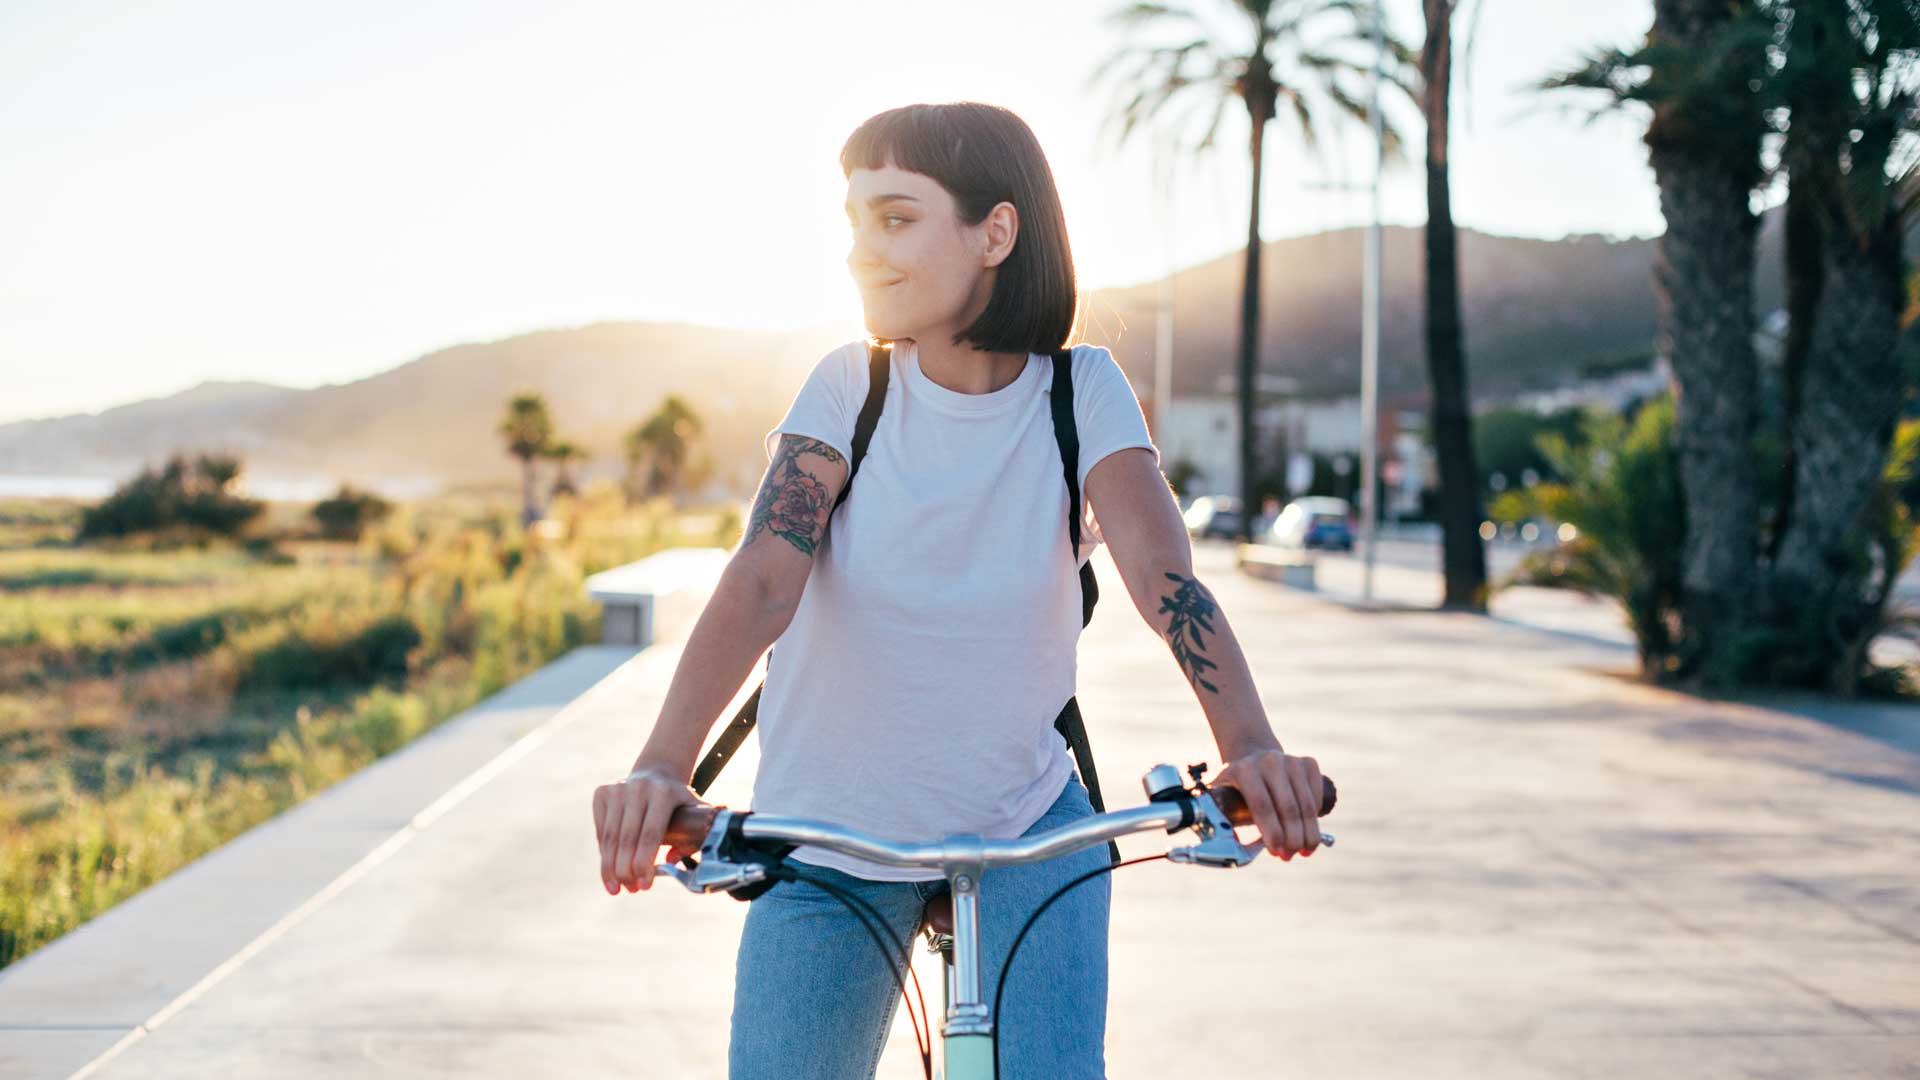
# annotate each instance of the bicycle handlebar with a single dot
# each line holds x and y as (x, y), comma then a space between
(690, 825)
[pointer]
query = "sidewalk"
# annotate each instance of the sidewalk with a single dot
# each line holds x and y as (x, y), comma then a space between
(1544, 869)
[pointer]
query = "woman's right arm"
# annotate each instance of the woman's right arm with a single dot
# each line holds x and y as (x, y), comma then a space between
(750, 608)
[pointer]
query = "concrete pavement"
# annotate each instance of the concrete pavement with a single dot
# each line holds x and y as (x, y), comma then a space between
(1544, 870)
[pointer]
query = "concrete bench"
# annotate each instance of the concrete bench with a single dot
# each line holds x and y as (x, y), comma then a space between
(1288, 566)
(658, 598)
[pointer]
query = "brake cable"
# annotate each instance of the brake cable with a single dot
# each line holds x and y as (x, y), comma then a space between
(1006, 966)
(855, 904)
(778, 869)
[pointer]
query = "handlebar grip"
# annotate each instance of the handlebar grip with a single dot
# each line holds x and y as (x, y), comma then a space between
(1232, 804)
(687, 828)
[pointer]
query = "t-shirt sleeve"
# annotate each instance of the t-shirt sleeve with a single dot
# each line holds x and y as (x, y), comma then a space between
(1105, 411)
(825, 407)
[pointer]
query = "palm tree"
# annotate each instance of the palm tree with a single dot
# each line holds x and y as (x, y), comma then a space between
(1791, 599)
(1699, 71)
(1849, 85)
(663, 443)
(1305, 55)
(563, 454)
(526, 428)
(1463, 553)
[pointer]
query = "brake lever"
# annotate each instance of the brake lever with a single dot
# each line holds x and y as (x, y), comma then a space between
(1218, 845)
(713, 872)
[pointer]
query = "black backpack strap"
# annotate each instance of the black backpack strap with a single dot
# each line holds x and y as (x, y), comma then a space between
(735, 732)
(1074, 730)
(1067, 434)
(877, 368)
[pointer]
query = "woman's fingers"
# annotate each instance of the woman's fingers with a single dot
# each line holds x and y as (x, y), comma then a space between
(608, 807)
(1303, 774)
(661, 803)
(1274, 772)
(632, 820)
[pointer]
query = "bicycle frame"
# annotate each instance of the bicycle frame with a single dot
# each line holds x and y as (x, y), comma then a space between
(966, 1032)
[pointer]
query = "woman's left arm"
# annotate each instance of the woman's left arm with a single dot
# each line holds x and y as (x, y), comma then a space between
(1142, 526)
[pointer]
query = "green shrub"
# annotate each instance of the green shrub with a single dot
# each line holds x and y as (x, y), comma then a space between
(177, 499)
(1622, 494)
(315, 656)
(384, 721)
(1620, 490)
(348, 512)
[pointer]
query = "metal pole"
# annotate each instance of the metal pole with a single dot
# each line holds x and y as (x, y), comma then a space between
(1163, 326)
(1370, 327)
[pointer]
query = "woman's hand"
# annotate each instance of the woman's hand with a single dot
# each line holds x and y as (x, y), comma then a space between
(1283, 792)
(630, 817)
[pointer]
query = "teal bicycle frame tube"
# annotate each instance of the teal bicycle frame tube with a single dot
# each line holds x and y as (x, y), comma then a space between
(966, 1057)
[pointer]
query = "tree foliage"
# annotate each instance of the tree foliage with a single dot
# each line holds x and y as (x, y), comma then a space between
(183, 497)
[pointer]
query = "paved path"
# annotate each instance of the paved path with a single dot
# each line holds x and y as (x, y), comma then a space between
(1544, 870)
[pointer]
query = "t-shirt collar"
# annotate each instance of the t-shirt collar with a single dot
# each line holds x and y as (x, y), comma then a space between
(1007, 397)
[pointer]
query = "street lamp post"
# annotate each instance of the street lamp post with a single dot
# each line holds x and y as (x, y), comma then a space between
(1370, 317)
(1163, 326)
(1370, 327)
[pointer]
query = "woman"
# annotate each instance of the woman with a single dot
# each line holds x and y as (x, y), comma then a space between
(926, 629)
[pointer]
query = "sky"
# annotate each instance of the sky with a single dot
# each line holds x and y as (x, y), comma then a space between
(306, 194)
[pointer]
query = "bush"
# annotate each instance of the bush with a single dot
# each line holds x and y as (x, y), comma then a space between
(376, 652)
(178, 497)
(348, 513)
(1621, 492)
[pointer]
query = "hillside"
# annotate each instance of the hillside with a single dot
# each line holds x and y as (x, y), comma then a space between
(1536, 312)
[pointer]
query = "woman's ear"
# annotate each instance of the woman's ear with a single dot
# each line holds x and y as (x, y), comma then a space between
(1002, 229)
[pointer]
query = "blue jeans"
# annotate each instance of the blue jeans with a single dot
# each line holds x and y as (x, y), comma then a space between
(813, 998)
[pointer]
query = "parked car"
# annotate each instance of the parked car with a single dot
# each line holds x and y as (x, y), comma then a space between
(1317, 521)
(1213, 515)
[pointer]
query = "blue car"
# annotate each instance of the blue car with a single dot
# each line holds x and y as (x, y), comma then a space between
(1317, 521)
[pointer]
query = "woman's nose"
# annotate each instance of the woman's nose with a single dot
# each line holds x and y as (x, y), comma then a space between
(860, 255)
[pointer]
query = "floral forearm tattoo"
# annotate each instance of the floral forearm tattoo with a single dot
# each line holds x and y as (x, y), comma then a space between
(1191, 607)
(792, 504)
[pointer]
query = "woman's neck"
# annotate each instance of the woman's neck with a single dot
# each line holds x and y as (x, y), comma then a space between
(966, 370)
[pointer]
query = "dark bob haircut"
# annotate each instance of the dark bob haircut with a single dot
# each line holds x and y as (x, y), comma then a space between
(985, 155)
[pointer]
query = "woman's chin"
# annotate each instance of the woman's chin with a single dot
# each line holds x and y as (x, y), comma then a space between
(887, 329)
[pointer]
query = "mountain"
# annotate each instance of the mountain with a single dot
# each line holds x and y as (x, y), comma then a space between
(1536, 312)
(435, 417)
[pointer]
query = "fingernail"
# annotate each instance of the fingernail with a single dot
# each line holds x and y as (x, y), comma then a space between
(612, 888)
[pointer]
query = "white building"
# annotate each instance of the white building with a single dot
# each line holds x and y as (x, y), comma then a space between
(1205, 431)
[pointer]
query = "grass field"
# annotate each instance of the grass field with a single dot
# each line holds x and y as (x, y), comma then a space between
(154, 704)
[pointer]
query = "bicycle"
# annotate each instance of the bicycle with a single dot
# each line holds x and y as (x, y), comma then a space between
(742, 848)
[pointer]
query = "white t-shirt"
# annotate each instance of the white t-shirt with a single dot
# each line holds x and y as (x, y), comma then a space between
(913, 694)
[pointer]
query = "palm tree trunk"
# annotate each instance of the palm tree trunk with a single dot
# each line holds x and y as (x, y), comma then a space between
(1703, 278)
(1848, 403)
(1463, 555)
(1805, 271)
(529, 507)
(1250, 337)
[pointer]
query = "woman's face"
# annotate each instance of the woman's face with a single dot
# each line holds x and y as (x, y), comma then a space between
(919, 269)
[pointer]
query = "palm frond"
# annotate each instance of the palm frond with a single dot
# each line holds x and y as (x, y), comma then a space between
(1138, 13)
